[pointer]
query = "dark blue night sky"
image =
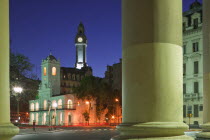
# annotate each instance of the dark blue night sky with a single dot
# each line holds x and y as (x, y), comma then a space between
(38, 26)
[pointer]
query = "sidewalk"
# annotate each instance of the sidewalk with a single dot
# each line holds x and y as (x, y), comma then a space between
(38, 131)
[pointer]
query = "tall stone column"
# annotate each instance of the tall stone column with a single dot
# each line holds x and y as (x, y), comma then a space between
(7, 130)
(152, 70)
(206, 71)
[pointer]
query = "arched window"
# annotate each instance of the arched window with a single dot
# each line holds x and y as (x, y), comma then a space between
(37, 118)
(45, 71)
(44, 118)
(69, 104)
(45, 104)
(32, 106)
(53, 71)
(37, 106)
(59, 104)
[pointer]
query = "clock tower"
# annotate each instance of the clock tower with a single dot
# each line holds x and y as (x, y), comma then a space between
(81, 45)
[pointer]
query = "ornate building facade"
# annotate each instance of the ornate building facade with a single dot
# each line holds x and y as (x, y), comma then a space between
(193, 64)
(57, 105)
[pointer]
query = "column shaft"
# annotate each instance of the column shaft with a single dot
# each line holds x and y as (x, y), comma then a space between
(206, 71)
(152, 70)
(4, 62)
(7, 130)
(206, 60)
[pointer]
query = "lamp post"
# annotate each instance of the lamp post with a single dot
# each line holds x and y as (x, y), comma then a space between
(89, 105)
(117, 101)
(189, 115)
(55, 106)
(18, 90)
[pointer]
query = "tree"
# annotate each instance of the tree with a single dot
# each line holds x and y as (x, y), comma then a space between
(19, 66)
(86, 116)
(20, 70)
(94, 88)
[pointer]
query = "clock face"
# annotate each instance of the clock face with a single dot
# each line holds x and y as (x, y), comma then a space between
(79, 39)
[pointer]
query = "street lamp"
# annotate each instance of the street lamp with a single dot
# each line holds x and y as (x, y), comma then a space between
(190, 116)
(89, 105)
(18, 90)
(117, 101)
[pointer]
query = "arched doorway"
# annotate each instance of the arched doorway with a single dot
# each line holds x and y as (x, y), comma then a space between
(60, 121)
(53, 118)
(69, 119)
(44, 119)
(32, 118)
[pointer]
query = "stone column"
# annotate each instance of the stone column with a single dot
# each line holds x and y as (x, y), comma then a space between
(152, 70)
(7, 130)
(206, 71)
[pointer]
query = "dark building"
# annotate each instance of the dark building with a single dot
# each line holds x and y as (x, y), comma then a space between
(113, 75)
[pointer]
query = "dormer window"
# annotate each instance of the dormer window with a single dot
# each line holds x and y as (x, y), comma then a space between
(45, 71)
(53, 71)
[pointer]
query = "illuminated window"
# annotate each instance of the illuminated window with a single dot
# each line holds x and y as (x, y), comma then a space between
(53, 71)
(32, 107)
(54, 104)
(70, 104)
(59, 103)
(45, 71)
(37, 106)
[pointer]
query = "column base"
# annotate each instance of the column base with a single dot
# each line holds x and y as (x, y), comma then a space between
(153, 130)
(7, 131)
(182, 137)
(205, 134)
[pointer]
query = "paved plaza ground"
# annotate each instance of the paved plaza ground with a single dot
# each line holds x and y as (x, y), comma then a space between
(71, 133)
(74, 133)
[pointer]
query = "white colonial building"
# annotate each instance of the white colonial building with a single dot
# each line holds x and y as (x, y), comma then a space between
(193, 64)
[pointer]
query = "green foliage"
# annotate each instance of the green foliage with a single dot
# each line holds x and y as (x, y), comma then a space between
(96, 88)
(86, 115)
(19, 65)
(88, 89)
(20, 69)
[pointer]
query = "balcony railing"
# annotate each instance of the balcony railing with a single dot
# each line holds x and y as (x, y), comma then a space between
(66, 107)
(192, 96)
